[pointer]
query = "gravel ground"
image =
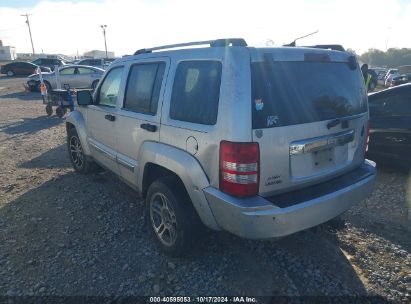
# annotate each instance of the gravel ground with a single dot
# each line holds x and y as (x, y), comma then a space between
(67, 234)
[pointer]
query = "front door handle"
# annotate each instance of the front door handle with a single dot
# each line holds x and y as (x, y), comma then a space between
(110, 117)
(148, 127)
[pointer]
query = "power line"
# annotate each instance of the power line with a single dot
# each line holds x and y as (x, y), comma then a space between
(12, 28)
(28, 24)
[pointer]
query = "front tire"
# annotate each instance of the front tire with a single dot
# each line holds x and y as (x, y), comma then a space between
(78, 159)
(10, 73)
(49, 109)
(47, 84)
(171, 217)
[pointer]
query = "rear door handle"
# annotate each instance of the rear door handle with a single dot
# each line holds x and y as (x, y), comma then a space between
(110, 117)
(148, 127)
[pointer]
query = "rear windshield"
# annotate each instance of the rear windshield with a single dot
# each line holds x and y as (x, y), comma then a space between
(295, 92)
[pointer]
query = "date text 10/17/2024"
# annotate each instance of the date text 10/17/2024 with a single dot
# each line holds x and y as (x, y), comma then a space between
(203, 300)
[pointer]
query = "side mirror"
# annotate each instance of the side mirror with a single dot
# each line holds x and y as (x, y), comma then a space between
(84, 97)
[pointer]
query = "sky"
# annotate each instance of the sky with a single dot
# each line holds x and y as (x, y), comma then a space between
(72, 26)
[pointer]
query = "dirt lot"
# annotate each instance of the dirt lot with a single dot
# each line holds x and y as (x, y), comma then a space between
(67, 234)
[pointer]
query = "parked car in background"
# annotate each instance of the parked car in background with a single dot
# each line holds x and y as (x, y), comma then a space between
(401, 79)
(390, 118)
(101, 63)
(76, 76)
(48, 62)
(381, 72)
(73, 62)
(388, 77)
(21, 68)
(217, 136)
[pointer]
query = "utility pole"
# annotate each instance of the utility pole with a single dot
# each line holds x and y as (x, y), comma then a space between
(103, 26)
(28, 24)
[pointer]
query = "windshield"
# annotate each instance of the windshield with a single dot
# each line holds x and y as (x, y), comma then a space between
(295, 92)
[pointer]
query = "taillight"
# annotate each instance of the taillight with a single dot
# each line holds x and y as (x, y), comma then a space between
(239, 168)
(368, 137)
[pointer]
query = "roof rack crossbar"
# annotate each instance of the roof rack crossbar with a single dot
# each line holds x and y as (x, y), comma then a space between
(335, 47)
(212, 43)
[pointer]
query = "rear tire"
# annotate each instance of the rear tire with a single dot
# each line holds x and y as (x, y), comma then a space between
(78, 159)
(49, 109)
(171, 217)
(10, 73)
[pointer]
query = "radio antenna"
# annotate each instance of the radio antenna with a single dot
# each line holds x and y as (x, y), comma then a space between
(293, 43)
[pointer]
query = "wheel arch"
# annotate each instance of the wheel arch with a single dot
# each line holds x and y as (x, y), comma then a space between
(159, 160)
(76, 120)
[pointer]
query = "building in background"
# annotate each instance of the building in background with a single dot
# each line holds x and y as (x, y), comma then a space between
(98, 54)
(7, 52)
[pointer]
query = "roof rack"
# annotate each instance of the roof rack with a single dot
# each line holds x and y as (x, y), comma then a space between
(211, 43)
(335, 47)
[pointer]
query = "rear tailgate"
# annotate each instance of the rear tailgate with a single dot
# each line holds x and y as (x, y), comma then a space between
(309, 117)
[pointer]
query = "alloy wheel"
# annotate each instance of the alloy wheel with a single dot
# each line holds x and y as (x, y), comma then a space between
(76, 152)
(163, 219)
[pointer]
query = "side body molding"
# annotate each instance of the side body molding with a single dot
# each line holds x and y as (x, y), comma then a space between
(187, 168)
(76, 118)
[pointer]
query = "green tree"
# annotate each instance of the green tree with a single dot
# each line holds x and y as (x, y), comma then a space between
(393, 57)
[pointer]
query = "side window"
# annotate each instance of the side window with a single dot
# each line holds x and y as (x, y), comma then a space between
(143, 87)
(95, 62)
(395, 104)
(85, 71)
(196, 91)
(68, 71)
(400, 105)
(108, 93)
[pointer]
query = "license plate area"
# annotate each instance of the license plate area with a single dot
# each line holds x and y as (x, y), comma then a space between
(323, 158)
(319, 155)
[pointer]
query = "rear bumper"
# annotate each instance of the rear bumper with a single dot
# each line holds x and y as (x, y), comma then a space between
(261, 218)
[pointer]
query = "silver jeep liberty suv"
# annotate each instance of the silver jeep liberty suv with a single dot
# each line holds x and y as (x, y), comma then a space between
(260, 142)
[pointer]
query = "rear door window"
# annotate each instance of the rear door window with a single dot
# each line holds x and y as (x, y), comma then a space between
(68, 71)
(298, 92)
(85, 71)
(196, 91)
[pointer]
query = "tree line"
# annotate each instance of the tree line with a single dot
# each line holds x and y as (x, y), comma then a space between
(392, 58)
